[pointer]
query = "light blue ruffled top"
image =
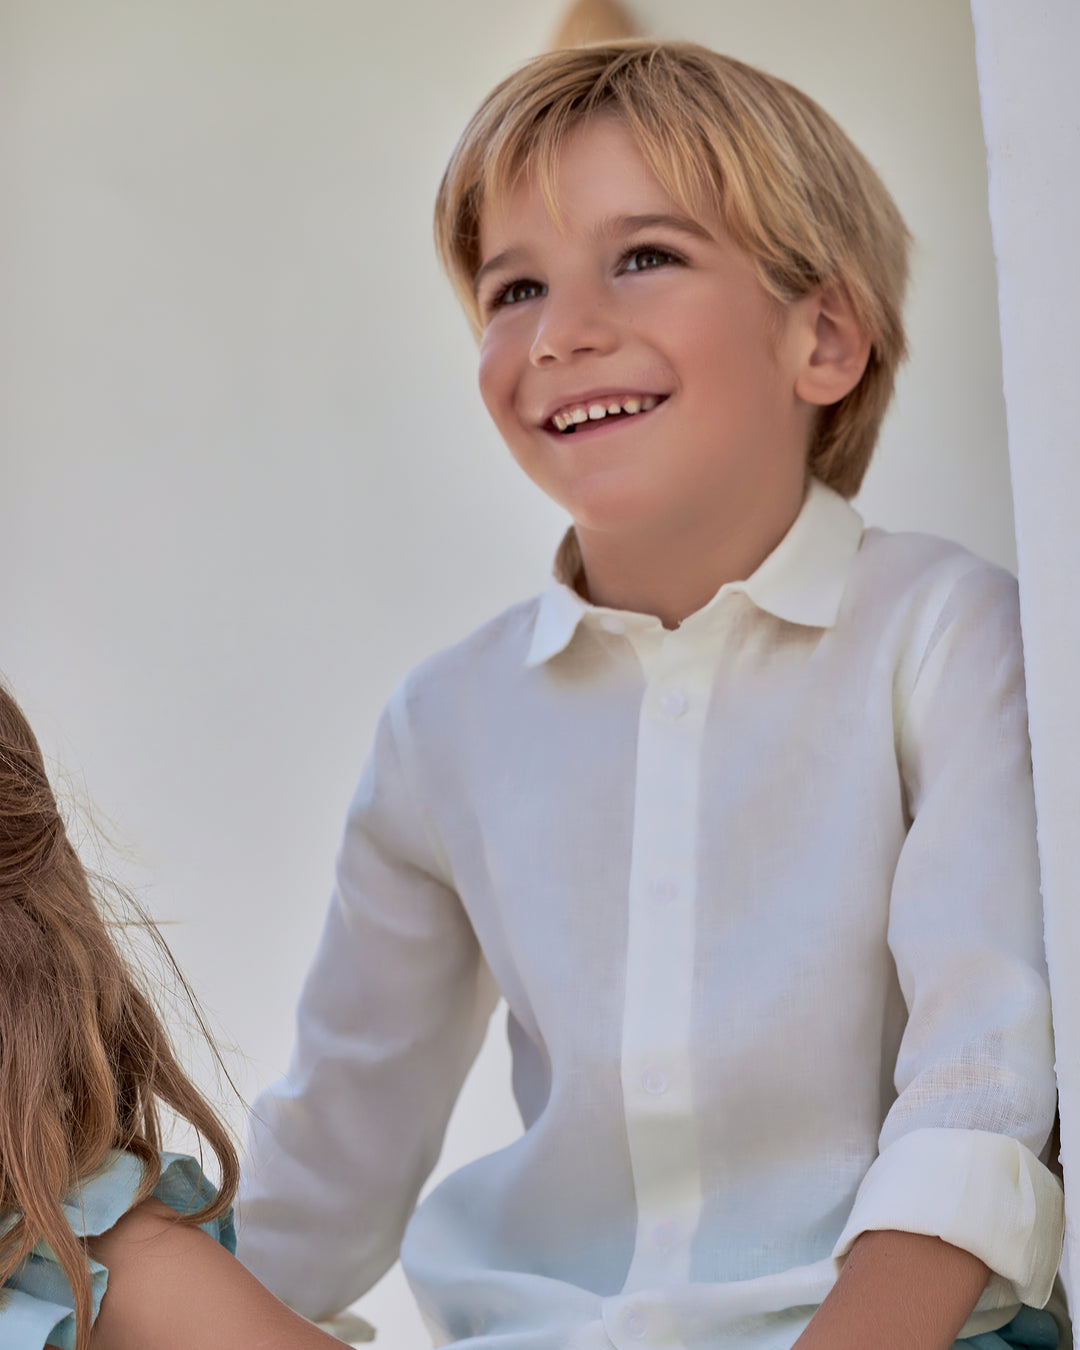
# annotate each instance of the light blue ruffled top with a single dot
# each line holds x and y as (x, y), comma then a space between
(36, 1306)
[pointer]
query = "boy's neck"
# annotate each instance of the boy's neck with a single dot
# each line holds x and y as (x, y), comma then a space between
(674, 575)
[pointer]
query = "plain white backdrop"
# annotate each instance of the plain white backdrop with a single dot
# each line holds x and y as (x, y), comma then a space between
(1031, 112)
(247, 479)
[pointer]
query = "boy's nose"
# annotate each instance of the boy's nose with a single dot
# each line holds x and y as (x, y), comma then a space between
(574, 324)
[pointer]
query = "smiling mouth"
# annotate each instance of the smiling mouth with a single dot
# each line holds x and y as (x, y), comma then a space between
(568, 419)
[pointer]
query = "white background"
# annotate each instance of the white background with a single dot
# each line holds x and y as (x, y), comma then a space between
(1031, 110)
(247, 479)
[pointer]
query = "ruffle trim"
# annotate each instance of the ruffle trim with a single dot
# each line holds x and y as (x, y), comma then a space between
(36, 1304)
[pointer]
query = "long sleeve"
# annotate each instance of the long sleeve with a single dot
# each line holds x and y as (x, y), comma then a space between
(974, 1078)
(391, 1016)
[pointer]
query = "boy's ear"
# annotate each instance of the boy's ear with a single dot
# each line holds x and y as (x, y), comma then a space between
(837, 348)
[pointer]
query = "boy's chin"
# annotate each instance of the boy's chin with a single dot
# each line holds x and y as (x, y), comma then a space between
(620, 512)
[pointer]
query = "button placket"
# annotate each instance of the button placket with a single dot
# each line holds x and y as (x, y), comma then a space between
(656, 1060)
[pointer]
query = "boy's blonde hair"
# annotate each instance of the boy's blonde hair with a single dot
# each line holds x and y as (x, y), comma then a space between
(726, 141)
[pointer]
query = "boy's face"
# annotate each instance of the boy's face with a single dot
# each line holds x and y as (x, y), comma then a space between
(628, 304)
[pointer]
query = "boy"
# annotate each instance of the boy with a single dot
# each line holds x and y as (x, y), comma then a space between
(737, 816)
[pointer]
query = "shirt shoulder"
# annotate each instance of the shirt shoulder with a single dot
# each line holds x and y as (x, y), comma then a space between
(485, 664)
(913, 559)
(944, 615)
(923, 578)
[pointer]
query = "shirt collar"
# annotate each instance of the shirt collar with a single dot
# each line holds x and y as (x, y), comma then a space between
(802, 580)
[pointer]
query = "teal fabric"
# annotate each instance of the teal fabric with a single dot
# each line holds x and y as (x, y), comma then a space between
(1029, 1330)
(36, 1303)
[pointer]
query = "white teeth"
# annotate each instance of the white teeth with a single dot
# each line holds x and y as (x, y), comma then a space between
(568, 418)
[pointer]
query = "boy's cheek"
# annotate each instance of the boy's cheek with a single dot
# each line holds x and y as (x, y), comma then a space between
(497, 387)
(487, 371)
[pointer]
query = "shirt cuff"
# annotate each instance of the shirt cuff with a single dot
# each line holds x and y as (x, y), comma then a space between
(983, 1192)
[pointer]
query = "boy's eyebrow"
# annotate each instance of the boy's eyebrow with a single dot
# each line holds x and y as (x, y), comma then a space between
(616, 225)
(609, 227)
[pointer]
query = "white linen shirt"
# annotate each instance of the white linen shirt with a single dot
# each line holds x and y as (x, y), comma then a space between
(761, 894)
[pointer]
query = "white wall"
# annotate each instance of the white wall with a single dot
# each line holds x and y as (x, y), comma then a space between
(247, 479)
(1027, 79)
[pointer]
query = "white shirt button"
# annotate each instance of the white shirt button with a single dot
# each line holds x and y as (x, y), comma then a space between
(673, 702)
(663, 891)
(634, 1323)
(610, 624)
(654, 1080)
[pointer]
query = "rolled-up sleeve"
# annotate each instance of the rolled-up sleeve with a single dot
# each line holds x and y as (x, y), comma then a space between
(391, 1016)
(959, 1149)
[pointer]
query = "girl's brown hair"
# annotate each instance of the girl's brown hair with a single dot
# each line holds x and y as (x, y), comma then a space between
(730, 143)
(84, 1060)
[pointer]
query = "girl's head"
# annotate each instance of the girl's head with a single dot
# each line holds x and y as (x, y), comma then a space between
(731, 145)
(84, 1060)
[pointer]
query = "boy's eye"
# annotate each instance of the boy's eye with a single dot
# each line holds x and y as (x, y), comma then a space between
(644, 259)
(516, 291)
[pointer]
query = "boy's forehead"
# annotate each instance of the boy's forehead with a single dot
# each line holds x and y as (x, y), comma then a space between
(599, 182)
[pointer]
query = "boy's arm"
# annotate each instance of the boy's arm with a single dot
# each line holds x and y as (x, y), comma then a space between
(959, 1148)
(391, 1016)
(898, 1291)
